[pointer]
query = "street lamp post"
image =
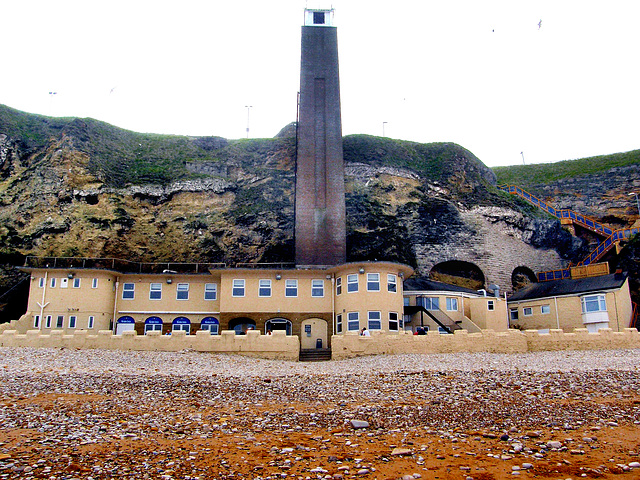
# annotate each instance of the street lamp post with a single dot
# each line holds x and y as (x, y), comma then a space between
(637, 201)
(248, 107)
(383, 124)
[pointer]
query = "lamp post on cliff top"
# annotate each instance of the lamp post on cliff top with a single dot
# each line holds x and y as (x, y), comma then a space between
(248, 107)
(637, 201)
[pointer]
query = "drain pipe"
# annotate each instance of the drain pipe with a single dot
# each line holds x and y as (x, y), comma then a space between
(555, 301)
(333, 304)
(115, 306)
(42, 305)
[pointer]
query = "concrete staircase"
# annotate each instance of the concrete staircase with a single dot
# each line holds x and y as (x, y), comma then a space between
(315, 355)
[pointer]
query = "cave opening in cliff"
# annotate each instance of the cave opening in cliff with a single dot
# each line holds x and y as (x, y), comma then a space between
(522, 276)
(457, 272)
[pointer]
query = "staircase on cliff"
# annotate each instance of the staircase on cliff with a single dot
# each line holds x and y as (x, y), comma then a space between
(611, 237)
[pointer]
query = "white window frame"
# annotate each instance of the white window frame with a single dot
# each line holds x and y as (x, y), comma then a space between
(513, 317)
(338, 285)
(527, 309)
(128, 293)
(291, 288)
(491, 305)
(36, 321)
(238, 287)
(41, 282)
(90, 321)
(73, 321)
(317, 288)
(339, 323)
(451, 304)
(182, 290)
(599, 298)
(64, 282)
(352, 283)
(392, 283)
(545, 309)
(373, 282)
(155, 288)
(52, 284)
(48, 321)
(395, 320)
(76, 282)
(60, 321)
(374, 320)
(264, 287)
(211, 289)
(429, 303)
(94, 282)
(353, 318)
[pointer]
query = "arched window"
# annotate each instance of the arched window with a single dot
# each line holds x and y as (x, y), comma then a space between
(181, 324)
(210, 324)
(153, 324)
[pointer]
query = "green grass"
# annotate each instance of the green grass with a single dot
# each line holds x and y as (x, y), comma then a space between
(524, 175)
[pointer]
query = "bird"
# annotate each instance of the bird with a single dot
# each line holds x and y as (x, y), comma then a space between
(539, 24)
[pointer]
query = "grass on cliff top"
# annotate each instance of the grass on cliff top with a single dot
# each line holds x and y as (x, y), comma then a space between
(524, 175)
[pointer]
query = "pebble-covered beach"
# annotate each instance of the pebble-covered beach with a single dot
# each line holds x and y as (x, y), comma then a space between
(95, 414)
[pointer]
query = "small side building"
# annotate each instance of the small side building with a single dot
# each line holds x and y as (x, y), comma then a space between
(445, 308)
(592, 303)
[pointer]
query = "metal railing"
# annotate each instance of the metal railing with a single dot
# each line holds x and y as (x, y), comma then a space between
(122, 266)
(612, 236)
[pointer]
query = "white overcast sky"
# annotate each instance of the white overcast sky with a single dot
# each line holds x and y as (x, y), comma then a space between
(480, 73)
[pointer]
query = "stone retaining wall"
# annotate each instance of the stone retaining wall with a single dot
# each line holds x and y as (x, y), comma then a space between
(512, 341)
(282, 347)
(276, 346)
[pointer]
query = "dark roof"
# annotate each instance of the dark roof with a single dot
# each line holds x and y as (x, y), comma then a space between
(419, 284)
(569, 286)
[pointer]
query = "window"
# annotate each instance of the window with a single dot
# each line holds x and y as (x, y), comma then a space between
(443, 331)
(90, 323)
(128, 291)
(392, 283)
(452, 304)
(48, 322)
(491, 305)
(373, 282)
(155, 291)
(318, 18)
(429, 303)
(36, 321)
(353, 321)
(64, 282)
(264, 288)
(94, 283)
(53, 282)
(513, 314)
(374, 322)
(210, 291)
(527, 311)
(338, 285)
(182, 292)
(339, 323)
(238, 288)
(72, 321)
(41, 282)
(352, 283)
(593, 303)
(76, 282)
(545, 309)
(291, 288)
(317, 288)
(393, 321)
(406, 301)
(60, 321)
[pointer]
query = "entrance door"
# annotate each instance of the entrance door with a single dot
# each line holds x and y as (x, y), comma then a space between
(125, 324)
(313, 334)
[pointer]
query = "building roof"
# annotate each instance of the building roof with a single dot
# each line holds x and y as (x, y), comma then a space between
(569, 287)
(420, 284)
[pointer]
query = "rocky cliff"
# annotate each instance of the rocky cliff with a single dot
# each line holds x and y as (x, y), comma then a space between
(82, 188)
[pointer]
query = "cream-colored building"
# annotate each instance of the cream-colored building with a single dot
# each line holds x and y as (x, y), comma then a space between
(312, 303)
(445, 308)
(593, 303)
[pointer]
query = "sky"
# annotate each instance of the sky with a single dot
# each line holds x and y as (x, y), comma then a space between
(512, 81)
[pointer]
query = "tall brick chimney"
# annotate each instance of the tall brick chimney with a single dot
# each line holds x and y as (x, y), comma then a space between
(320, 225)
